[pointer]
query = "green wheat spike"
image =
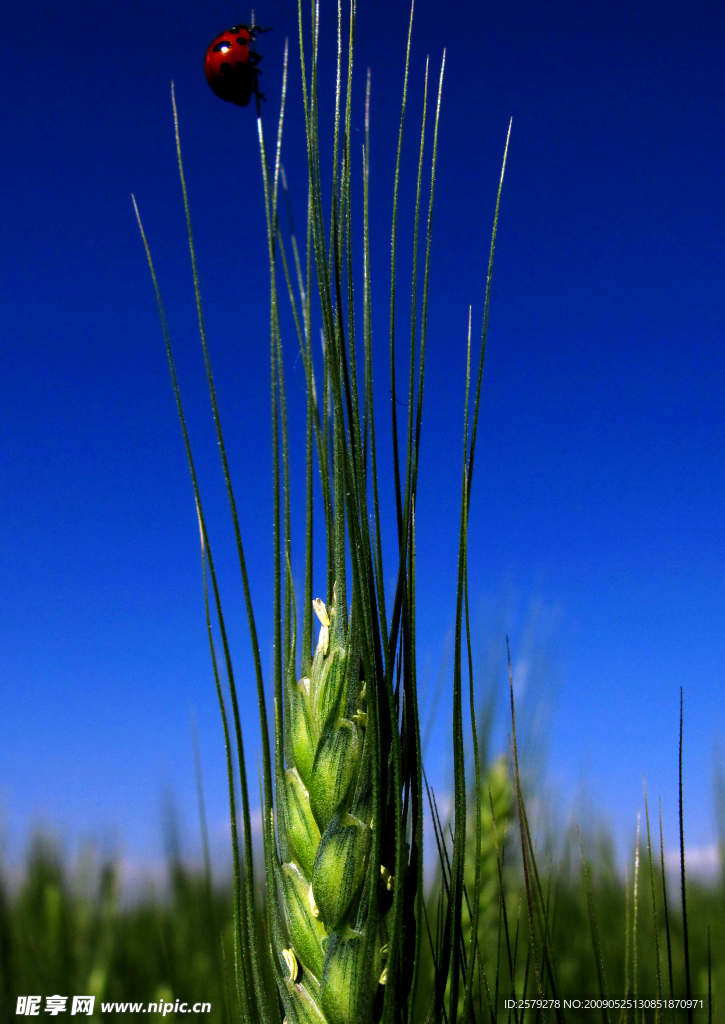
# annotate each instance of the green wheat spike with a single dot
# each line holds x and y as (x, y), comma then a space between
(326, 824)
(498, 811)
(342, 933)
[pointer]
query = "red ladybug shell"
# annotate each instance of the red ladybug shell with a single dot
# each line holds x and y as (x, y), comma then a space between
(230, 65)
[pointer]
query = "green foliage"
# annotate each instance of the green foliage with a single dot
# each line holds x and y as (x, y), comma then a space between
(67, 929)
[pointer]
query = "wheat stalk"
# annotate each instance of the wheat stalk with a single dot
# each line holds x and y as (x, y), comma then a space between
(342, 781)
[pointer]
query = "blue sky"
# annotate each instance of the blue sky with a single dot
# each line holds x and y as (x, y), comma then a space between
(596, 533)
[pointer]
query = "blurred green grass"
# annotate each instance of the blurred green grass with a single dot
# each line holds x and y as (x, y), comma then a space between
(68, 927)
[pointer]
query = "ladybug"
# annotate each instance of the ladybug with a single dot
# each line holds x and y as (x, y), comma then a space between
(230, 65)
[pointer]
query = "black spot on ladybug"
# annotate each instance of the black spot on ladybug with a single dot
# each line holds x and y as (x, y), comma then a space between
(243, 40)
(222, 47)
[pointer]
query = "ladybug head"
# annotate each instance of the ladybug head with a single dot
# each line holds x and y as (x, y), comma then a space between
(244, 34)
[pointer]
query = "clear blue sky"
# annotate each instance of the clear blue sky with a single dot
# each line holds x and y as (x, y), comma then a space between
(600, 489)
